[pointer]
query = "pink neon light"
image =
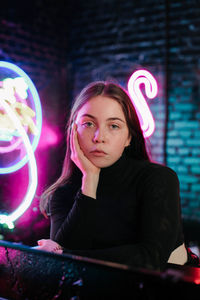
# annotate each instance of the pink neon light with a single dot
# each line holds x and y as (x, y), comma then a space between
(13, 145)
(25, 122)
(50, 136)
(9, 219)
(151, 89)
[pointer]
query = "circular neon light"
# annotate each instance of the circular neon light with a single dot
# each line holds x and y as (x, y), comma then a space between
(35, 103)
(20, 125)
(9, 219)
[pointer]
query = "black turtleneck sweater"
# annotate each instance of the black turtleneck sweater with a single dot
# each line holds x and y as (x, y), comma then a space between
(135, 219)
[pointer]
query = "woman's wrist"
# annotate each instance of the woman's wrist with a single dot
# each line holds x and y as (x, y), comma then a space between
(89, 184)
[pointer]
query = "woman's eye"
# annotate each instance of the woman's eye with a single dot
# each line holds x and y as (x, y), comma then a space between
(88, 124)
(114, 126)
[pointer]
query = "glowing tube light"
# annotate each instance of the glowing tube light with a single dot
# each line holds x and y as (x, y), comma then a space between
(151, 89)
(37, 108)
(9, 219)
(8, 101)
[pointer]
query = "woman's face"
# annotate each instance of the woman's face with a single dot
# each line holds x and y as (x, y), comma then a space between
(102, 131)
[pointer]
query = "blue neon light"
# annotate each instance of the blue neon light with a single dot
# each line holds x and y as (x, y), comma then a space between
(38, 112)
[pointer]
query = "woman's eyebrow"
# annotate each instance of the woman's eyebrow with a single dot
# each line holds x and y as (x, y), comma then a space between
(88, 115)
(115, 118)
(109, 119)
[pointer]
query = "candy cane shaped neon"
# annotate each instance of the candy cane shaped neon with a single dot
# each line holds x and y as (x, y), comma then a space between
(151, 89)
(9, 219)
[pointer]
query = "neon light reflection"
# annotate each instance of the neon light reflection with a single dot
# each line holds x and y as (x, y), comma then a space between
(151, 89)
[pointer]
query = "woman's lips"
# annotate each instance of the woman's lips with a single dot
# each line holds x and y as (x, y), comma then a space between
(98, 153)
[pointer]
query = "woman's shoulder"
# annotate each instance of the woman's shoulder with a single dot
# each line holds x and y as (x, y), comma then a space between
(65, 190)
(156, 180)
(150, 169)
(161, 168)
(61, 190)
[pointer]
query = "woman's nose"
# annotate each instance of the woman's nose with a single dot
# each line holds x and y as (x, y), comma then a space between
(99, 136)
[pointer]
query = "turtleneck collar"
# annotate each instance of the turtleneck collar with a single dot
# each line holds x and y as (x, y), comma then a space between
(115, 170)
(114, 173)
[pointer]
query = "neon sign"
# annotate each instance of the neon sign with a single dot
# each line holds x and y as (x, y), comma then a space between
(151, 88)
(20, 128)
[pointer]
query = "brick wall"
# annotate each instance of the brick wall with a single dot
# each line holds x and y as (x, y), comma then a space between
(111, 39)
(183, 139)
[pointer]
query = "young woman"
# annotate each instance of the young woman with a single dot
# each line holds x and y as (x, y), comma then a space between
(110, 201)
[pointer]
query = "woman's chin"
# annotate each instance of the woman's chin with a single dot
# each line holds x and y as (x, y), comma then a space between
(101, 163)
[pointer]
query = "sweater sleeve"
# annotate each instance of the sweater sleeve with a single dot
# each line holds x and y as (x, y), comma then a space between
(159, 224)
(71, 218)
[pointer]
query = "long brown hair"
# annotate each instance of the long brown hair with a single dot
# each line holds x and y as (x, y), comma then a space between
(137, 146)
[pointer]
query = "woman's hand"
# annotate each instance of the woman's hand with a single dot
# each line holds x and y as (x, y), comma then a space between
(78, 157)
(90, 172)
(49, 245)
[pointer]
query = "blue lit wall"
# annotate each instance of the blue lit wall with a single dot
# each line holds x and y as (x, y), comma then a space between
(110, 40)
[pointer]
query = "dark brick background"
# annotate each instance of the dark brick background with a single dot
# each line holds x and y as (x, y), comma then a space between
(63, 45)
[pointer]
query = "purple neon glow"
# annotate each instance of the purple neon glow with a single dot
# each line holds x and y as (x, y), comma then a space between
(151, 89)
(12, 147)
(50, 136)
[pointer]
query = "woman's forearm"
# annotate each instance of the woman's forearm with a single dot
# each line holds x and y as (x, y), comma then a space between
(89, 185)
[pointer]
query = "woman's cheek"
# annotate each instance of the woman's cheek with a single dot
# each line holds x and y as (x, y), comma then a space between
(82, 139)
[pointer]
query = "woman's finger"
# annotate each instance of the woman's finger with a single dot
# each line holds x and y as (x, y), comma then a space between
(78, 156)
(76, 145)
(72, 141)
(77, 153)
(40, 242)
